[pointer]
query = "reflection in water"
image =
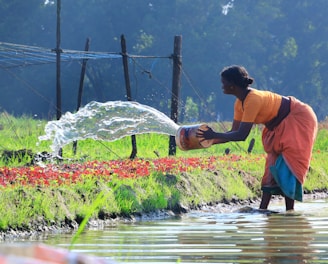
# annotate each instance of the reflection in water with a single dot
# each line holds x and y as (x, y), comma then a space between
(288, 239)
(282, 238)
(212, 237)
(273, 238)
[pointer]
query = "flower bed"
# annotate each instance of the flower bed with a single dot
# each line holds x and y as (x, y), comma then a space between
(52, 174)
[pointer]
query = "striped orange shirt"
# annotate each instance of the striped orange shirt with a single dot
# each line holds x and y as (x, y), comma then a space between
(259, 107)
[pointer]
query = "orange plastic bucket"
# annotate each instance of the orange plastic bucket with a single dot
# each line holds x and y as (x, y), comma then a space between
(186, 139)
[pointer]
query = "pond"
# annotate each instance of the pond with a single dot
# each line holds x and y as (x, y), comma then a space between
(210, 236)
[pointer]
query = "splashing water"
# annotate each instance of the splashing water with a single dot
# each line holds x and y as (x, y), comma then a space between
(225, 8)
(108, 121)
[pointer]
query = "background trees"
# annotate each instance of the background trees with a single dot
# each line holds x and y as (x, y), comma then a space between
(283, 44)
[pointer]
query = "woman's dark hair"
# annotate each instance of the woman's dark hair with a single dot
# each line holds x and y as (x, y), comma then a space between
(237, 75)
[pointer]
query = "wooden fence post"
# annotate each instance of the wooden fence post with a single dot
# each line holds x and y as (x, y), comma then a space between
(58, 51)
(58, 84)
(128, 90)
(80, 92)
(176, 83)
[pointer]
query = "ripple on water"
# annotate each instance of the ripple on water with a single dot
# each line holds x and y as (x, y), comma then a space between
(212, 237)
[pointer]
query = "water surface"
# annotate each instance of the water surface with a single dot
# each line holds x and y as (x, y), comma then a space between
(214, 237)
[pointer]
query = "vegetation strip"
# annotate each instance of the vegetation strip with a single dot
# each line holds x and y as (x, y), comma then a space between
(58, 196)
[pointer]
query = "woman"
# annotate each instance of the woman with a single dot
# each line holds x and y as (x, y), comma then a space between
(288, 135)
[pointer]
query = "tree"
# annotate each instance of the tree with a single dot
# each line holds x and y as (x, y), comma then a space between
(283, 44)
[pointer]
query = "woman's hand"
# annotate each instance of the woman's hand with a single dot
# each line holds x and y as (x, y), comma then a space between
(206, 134)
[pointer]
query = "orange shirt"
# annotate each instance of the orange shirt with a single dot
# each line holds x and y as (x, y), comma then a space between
(259, 107)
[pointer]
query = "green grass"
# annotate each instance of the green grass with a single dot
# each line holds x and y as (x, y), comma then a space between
(24, 132)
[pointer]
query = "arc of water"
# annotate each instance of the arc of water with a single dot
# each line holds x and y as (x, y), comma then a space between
(107, 121)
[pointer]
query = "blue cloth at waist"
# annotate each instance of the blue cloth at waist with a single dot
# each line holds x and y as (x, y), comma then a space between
(286, 180)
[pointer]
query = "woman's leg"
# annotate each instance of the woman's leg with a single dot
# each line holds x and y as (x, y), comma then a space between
(289, 203)
(266, 197)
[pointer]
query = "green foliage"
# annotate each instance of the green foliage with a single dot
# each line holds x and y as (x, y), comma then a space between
(144, 41)
(290, 48)
(321, 143)
(318, 173)
(126, 199)
(191, 110)
(281, 46)
(92, 209)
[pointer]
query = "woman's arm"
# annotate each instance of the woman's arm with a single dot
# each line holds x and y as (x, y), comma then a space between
(238, 132)
(235, 126)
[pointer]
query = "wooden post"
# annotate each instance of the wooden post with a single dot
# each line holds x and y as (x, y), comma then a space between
(176, 83)
(58, 84)
(251, 145)
(58, 51)
(79, 96)
(128, 90)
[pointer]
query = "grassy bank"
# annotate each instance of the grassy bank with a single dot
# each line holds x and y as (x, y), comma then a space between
(213, 178)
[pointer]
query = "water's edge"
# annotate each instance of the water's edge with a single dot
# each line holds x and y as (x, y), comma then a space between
(41, 229)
